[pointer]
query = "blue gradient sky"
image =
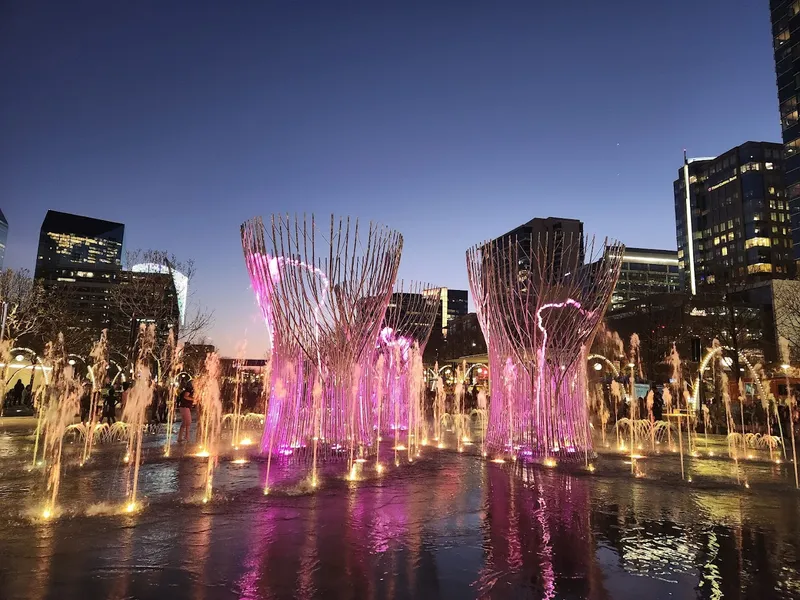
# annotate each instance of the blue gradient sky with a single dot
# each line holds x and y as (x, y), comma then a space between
(452, 121)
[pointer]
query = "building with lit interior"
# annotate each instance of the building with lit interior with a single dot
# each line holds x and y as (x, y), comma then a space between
(646, 272)
(732, 218)
(785, 16)
(82, 257)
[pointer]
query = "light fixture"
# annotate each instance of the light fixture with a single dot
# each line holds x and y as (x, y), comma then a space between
(597, 366)
(71, 362)
(785, 366)
(19, 358)
(631, 365)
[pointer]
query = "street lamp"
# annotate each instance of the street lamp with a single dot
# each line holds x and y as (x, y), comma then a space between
(598, 366)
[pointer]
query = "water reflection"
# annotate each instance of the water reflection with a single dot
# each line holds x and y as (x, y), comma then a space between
(449, 526)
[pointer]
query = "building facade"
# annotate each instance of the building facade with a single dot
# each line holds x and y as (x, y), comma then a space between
(452, 304)
(646, 272)
(785, 16)
(82, 257)
(561, 239)
(3, 238)
(732, 218)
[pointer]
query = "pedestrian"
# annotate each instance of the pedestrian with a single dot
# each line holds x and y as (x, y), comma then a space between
(110, 407)
(162, 404)
(185, 403)
(125, 393)
(19, 387)
(86, 403)
(27, 397)
(155, 393)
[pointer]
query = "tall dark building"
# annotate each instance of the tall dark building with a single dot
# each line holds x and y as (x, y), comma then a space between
(732, 218)
(82, 257)
(561, 238)
(3, 237)
(786, 45)
(453, 303)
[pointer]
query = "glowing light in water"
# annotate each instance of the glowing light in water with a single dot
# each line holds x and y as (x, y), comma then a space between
(47, 514)
(130, 507)
(246, 442)
(549, 462)
(240, 461)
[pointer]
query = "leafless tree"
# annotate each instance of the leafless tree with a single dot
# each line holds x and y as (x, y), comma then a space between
(786, 308)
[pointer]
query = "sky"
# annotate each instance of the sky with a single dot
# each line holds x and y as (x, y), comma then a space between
(451, 121)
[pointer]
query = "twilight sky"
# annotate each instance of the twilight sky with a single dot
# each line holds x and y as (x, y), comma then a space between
(450, 120)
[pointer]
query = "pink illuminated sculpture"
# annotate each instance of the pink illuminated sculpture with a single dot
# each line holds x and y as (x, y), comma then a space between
(539, 301)
(397, 374)
(323, 292)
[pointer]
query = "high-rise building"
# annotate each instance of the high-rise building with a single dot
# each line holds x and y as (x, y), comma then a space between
(454, 304)
(645, 272)
(786, 45)
(3, 237)
(562, 239)
(180, 281)
(82, 257)
(732, 218)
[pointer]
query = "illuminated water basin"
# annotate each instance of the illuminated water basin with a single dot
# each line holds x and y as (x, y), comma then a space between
(449, 526)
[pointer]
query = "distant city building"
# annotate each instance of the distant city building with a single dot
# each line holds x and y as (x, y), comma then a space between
(732, 218)
(645, 272)
(454, 303)
(785, 25)
(180, 280)
(82, 257)
(3, 237)
(561, 238)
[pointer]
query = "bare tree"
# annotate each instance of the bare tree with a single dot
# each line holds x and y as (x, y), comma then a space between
(786, 309)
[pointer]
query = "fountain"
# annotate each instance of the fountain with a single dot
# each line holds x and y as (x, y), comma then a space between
(323, 293)
(98, 370)
(134, 412)
(539, 307)
(59, 408)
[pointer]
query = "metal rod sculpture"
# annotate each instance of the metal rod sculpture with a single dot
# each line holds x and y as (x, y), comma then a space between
(323, 293)
(539, 301)
(397, 373)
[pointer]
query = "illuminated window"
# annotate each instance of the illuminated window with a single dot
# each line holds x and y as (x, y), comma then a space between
(773, 205)
(769, 166)
(756, 242)
(792, 146)
(724, 251)
(759, 268)
(782, 38)
(751, 166)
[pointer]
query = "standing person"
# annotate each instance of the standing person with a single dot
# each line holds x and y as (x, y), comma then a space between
(19, 387)
(155, 394)
(110, 407)
(125, 392)
(185, 404)
(86, 403)
(162, 403)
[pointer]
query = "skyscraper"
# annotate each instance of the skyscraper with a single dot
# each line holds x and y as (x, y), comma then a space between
(732, 218)
(562, 239)
(786, 45)
(82, 257)
(3, 237)
(646, 272)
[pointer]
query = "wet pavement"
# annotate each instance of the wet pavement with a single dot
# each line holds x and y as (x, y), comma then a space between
(446, 526)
